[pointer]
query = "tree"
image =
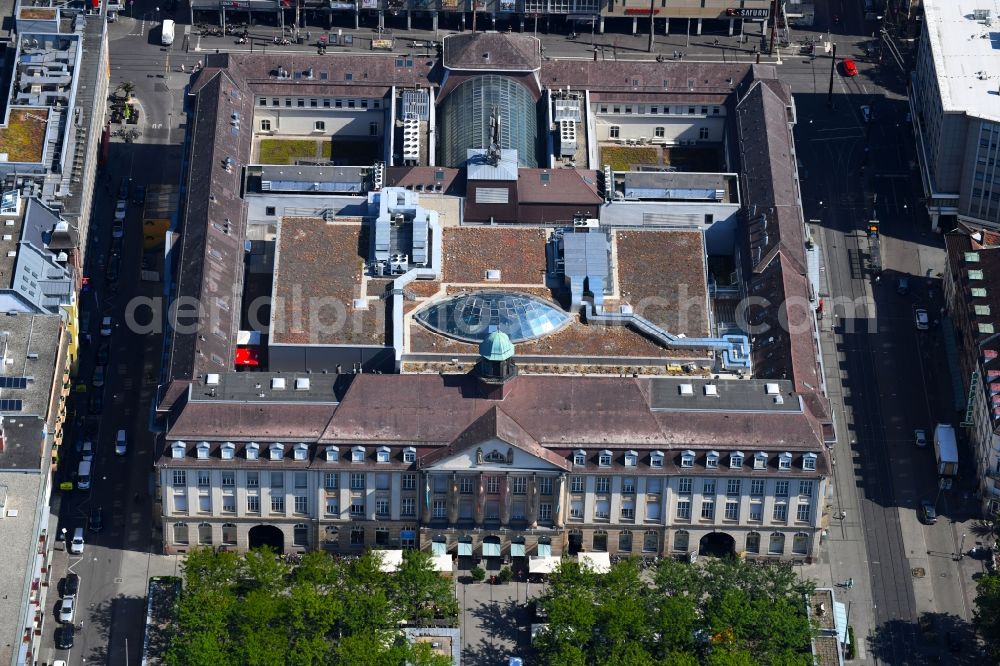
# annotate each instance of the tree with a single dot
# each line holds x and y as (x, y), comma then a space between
(421, 591)
(986, 616)
(505, 575)
(478, 573)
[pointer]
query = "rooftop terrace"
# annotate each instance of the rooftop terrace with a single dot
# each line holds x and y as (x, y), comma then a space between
(23, 137)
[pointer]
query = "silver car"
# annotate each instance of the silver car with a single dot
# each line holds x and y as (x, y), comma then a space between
(67, 609)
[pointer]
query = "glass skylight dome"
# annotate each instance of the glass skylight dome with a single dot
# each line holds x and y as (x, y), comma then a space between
(469, 317)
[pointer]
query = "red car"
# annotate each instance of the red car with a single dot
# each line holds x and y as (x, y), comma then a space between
(849, 68)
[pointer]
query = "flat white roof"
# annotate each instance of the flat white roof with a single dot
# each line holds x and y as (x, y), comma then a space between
(966, 55)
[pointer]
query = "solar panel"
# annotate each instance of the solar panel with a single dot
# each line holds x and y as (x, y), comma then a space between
(14, 382)
(11, 405)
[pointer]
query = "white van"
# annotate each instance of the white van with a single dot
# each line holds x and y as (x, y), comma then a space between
(167, 32)
(120, 444)
(83, 475)
(76, 545)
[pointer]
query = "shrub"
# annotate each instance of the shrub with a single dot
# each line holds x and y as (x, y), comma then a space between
(478, 573)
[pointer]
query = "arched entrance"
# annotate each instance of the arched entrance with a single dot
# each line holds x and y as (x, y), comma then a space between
(717, 544)
(267, 535)
(575, 542)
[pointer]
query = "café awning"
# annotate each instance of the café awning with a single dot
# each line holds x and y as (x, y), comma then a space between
(439, 548)
(465, 549)
(596, 562)
(544, 549)
(442, 563)
(491, 549)
(517, 550)
(391, 559)
(543, 565)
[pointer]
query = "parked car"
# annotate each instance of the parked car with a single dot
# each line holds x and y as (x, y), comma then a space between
(139, 197)
(96, 403)
(849, 67)
(123, 188)
(67, 609)
(96, 522)
(120, 444)
(103, 353)
(920, 437)
(121, 208)
(118, 230)
(921, 320)
(928, 514)
(64, 638)
(97, 380)
(71, 585)
(903, 286)
(77, 543)
(107, 326)
(866, 113)
(87, 451)
(114, 268)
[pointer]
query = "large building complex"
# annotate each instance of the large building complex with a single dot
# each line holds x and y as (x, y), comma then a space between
(955, 112)
(493, 306)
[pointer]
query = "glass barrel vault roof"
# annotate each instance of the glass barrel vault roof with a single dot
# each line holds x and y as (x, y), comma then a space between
(469, 317)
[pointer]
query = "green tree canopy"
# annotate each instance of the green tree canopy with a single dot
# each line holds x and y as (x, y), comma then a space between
(986, 616)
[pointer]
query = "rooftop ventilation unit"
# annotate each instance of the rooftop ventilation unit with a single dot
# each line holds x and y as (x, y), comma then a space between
(772, 388)
(212, 379)
(567, 138)
(981, 14)
(686, 389)
(360, 303)
(278, 383)
(493, 275)
(411, 138)
(711, 390)
(302, 384)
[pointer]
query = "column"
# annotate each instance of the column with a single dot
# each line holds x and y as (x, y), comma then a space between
(559, 492)
(453, 499)
(222, 18)
(409, 20)
(356, 18)
(698, 29)
(395, 486)
(600, 25)
(480, 500)
(666, 26)
(533, 502)
(635, 24)
(505, 500)
(434, 21)
(522, 22)
(425, 498)
(370, 496)
(732, 26)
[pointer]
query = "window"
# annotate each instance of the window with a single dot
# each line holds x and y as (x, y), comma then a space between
(781, 489)
(712, 460)
(300, 479)
(265, 125)
(687, 459)
(465, 485)
(313, 103)
(684, 509)
(681, 540)
(252, 451)
(372, 129)
(628, 109)
(382, 481)
(660, 132)
(800, 544)
(576, 510)
(300, 451)
(357, 481)
(319, 125)
(803, 512)
(715, 110)
(204, 479)
(382, 455)
(204, 503)
(288, 101)
(656, 459)
(654, 485)
(181, 533)
(736, 459)
(228, 502)
(350, 104)
(579, 458)
(545, 485)
(757, 511)
(381, 507)
(332, 454)
(576, 484)
(301, 504)
(331, 480)
(708, 509)
(650, 542)
(600, 541)
(780, 512)
(409, 455)
(409, 481)
(616, 109)
(338, 104)
(753, 542)
(603, 108)
(631, 458)
(358, 454)
(301, 103)
(785, 461)
(732, 510)
(776, 544)
(603, 484)
(440, 509)
(545, 512)
(262, 101)
(357, 507)
(326, 100)
(519, 485)
(684, 486)
(357, 536)
(614, 131)
(228, 450)
(806, 488)
(276, 451)
(408, 507)
(602, 510)
(180, 501)
(691, 109)
(760, 460)
(756, 487)
(492, 485)
(277, 479)
(604, 459)
(179, 478)
(332, 506)
(809, 459)
(277, 503)
(708, 487)
(517, 510)
(625, 541)
(202, 450)
(628, 485)
(228, 534)
(253, 504)
(733, 487)
(253, 479)
(628, 509)
(300, 535)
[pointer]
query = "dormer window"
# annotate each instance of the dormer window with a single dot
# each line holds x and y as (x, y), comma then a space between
(809, 462)
(332, 454)
(604, 459)
(177, 449)
(656, 459)
(227, 450)
(579, 457)
(300, 451)
(687, 458)
(358, 454)
(631, 458)
(253, 451)
(382, 455)
(202, 450)
(276, 451)
(785, 460)
(736, 459)
(712, 460)
(760, 460)
(409, 455)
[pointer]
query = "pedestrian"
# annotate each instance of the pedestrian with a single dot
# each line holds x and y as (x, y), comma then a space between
(716, 41)
(309, 35)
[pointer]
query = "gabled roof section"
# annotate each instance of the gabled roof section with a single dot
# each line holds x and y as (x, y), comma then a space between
(495, 424)
(492, 51)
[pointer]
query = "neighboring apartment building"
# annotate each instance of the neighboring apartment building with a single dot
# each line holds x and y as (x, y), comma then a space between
(34, 384)
(954, 112)
(973, 301)
(375, 406)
